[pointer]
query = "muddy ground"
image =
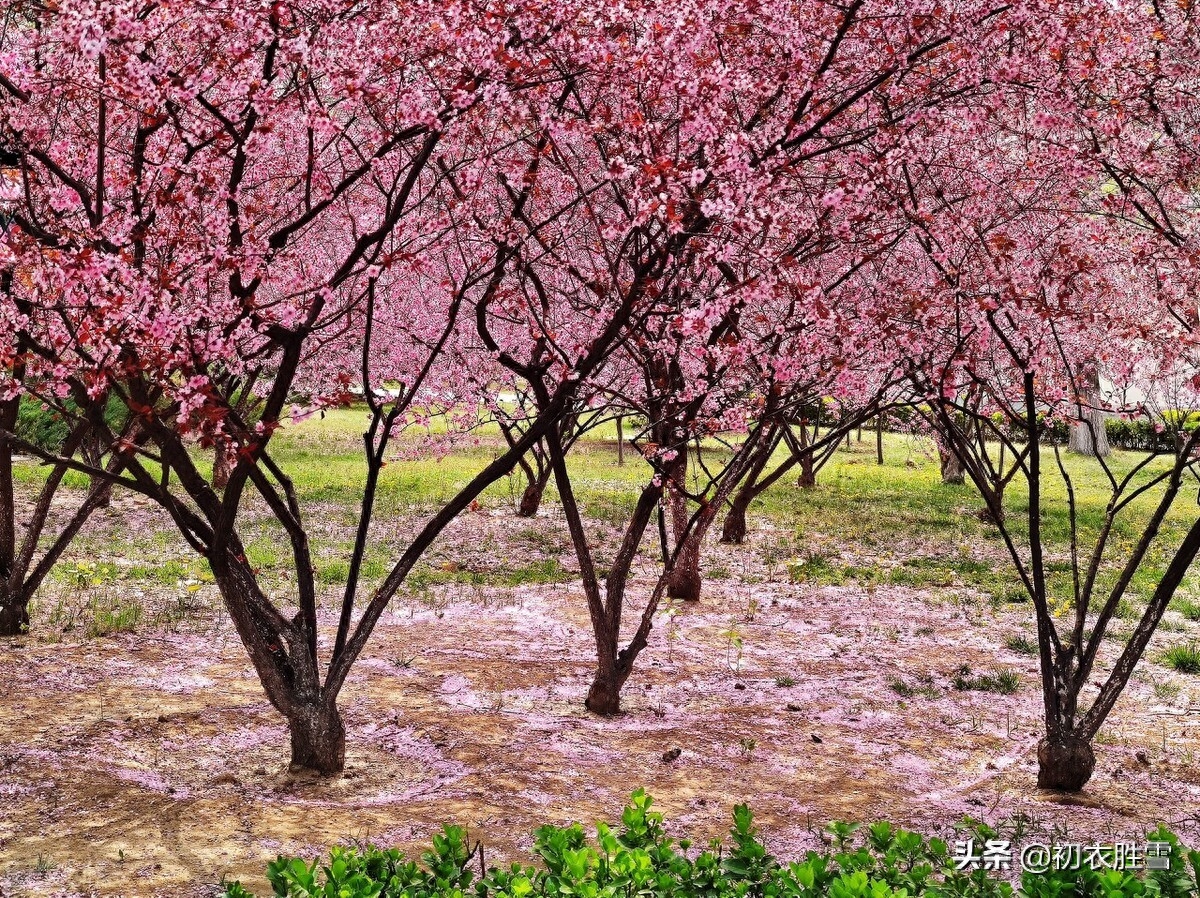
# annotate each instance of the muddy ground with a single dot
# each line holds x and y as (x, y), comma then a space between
(149, 762)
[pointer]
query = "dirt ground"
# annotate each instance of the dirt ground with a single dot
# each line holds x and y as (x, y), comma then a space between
(150, 763)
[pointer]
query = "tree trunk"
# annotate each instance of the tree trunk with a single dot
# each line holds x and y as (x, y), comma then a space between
(1088, 437)
(879, 439)
(952, 466)
(1065, 764)
(103, 490)
(987, 516)
(531, 499)
(14, 613)
(684, 581)
(1080, 440)
(808, 476)
(284, 655)
(93, 453)
(221, 468)
(318, 739)
(734, 529)
(604, 696)
(620, 439)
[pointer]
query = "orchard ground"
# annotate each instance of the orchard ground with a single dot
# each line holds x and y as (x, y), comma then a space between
(864, 656)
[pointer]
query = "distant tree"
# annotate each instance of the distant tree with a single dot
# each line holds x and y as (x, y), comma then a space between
(1088, 435)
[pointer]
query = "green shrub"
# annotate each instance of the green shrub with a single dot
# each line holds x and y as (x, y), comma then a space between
(638, 860)
(1149, 435)
(40, 425)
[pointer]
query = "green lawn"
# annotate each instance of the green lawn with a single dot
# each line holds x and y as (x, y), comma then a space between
(859, 508)
(890, 524)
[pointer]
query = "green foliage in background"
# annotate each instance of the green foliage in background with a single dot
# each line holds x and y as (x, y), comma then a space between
(47, 429)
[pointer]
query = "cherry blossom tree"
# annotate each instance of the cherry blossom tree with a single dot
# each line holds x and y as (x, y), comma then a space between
(25, 561)
(753, 180)
(33, 539)
(217, 200)
(1039, 281)
(1021, 404)
(226, 214)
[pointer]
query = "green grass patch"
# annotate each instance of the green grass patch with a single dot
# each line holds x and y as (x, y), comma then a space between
(337, 572)
(1005, 682)
(107, 617)
(1183, 658)
(923, 687)
(1189, 608)
(1021, 644)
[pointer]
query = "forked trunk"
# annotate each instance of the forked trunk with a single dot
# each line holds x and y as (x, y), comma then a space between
(685, 580)
(318, 739)
(1065, 763)
(289, 678)
(1065, 757)
(93, 453)
(993, 512)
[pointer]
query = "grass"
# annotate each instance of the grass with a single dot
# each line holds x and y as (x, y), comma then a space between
(169, 572)
(924, 687)
(83, 575)
(1165, 690)
(1183, 658)
(871, 505)
(1005, 682)
(890, 525)
(111, 616)
(1189, 608)
(536, 572)
(337, 571)
(1021, 644)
